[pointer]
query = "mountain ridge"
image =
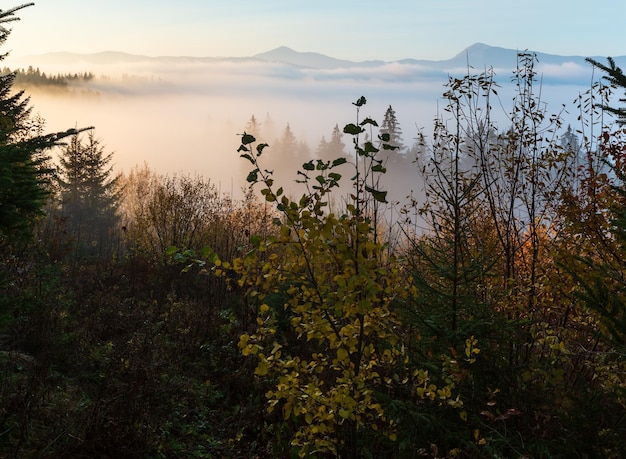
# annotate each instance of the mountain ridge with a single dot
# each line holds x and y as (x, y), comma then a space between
(477, 54)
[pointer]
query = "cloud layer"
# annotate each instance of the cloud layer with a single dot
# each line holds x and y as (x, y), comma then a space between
(184, 115)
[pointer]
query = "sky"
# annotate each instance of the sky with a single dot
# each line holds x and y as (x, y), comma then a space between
(346, 29)
(187, 117)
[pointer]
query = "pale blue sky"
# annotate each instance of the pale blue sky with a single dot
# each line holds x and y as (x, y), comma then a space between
(347, 29)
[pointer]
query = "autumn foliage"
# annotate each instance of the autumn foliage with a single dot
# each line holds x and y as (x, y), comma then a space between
(486, 319)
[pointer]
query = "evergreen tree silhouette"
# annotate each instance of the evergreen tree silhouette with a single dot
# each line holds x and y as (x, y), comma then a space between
(25, 177)
(89, 192)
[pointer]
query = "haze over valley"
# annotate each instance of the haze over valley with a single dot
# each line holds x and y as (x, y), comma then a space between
(184, 114)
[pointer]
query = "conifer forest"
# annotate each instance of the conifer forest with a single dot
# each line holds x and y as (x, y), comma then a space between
(482, 315)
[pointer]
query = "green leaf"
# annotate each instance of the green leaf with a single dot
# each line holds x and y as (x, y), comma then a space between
(206, 252)
(209, 255)
(260, 147)
(256, 240)
(370, 148)
(242, 148)
(304, 200)
(339, 161)
(352, 129)
(308, 166)
(385, 137)
(368, 121)
(247, 139)
(360, 102)
(334, 176)
(253, 176)
(379, 168)
(380, 196)
(179, 257)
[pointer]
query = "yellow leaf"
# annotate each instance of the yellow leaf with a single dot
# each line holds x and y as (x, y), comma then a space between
(344, 413)
(342, 354)
(276, 348)
(243, 340)
(262, 368)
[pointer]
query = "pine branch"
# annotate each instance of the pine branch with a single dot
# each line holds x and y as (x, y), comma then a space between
(616, 77)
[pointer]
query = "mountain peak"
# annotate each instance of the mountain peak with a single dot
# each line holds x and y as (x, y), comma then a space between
(483, 49)
(287, 55)
(478, 47)
(480, 54)
(282, 49)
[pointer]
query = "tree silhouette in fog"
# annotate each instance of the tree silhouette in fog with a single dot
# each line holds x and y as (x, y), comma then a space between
(88, 192)
(287, 155)
(24, 173)
(391, 125)
(400, 177)
(329, 150)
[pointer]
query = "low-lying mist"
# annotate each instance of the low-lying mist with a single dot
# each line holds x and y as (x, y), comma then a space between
(185, 117)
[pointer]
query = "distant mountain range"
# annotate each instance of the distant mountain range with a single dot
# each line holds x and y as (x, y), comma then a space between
(478, 55)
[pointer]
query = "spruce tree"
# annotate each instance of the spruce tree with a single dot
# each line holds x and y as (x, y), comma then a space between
(253, 127)
(602, 276)
(24, 176)
(391, 126)
(400, 178)
(336, 147)
(329, 150)
(286, 155)
(89, 192)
